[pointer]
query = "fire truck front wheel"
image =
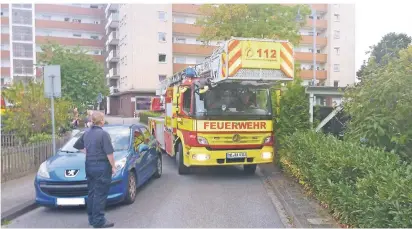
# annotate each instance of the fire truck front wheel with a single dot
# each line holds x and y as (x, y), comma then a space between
(182, 169)
(249, 169)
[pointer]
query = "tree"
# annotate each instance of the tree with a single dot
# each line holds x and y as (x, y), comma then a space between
(380, 108)
(31, 112)
(82, 77)
(387, 48)
(274, 21)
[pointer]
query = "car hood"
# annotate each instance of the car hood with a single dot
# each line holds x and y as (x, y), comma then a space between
(58, 164)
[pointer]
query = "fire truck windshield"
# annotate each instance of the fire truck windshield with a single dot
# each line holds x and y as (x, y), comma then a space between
(236, 101)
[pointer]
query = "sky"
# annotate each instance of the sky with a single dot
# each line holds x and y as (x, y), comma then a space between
(374, 20)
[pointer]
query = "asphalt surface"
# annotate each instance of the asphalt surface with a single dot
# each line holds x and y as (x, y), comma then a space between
(218, 197)
(210, 197)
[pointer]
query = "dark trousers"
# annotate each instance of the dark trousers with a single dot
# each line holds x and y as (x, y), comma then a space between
(99, 177)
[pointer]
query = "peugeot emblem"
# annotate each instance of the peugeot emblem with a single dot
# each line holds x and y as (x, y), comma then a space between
(71, 172)
(236, 138)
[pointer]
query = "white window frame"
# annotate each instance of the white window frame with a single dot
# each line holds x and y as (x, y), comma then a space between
(165, 15)
(336, 34)
(158, 58)
(336, 67)
(159, 35)
(181, 58)
(336, 17)
(337, 51)
(180, 38)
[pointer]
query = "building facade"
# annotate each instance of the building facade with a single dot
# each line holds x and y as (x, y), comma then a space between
(155, 41)
(25, 27)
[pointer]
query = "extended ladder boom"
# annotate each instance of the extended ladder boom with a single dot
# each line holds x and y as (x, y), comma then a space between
(247, 60)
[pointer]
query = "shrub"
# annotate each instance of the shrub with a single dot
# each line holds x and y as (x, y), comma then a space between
(40, 138)
(144, 116)
(362, 186)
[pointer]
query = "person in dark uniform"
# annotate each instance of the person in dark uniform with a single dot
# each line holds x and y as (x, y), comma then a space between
(100, 167)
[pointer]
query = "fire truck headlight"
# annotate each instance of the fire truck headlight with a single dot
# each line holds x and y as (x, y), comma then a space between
(201, 157)
(266, 155)
(202, 140)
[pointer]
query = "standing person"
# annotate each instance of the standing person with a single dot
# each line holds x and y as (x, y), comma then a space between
(75, 117)
(99, 169)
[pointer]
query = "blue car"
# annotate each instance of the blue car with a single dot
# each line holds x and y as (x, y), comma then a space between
(61, 179)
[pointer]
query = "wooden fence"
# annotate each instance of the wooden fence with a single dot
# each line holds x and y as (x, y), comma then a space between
(8, 140)
(21, 160)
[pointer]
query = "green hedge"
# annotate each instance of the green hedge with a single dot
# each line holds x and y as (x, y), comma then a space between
(363, 187)
(144, 116)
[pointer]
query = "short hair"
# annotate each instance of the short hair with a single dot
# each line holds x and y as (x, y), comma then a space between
(97, 117)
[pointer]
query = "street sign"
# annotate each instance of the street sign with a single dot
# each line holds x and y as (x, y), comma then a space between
(52, 89)
(52, 81)
(99, 98)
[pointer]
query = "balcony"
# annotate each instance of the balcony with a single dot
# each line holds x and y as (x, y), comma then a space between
(113, 21)
(179, 67)
(70, 41)
(5, 71)
(110, 7)
(113, 73)
(321, 24)
(180, 28)
(113, 90)
(68, 10)
(5, 21)
(23, 71)
(308, 57)
(186, 9)
(320, 41)
(49, 24)
(5, 54)
(113, 39)
(320, 7)
(308, 74)
(113, 56)
(193, 49)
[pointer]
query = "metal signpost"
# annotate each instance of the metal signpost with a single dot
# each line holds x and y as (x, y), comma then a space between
(52, 89)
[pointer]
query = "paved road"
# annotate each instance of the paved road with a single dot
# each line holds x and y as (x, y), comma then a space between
(221, 197)
(218, 197)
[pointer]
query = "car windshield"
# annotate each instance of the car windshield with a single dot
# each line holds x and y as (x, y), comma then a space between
(119, 135)
(233, 101)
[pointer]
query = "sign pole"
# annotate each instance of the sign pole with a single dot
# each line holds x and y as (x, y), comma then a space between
(52, 114)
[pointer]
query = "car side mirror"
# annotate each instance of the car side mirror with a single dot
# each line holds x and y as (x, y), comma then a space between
(142, 147)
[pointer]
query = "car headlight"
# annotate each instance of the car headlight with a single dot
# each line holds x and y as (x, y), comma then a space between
(43, 171)
(119, 164)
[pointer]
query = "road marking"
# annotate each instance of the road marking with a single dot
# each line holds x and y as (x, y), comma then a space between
(287, 221)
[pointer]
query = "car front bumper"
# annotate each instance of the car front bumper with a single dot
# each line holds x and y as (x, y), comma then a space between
(48, 191)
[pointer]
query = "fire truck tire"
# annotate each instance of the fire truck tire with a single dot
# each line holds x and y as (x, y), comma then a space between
(182, 169)
(249, 169)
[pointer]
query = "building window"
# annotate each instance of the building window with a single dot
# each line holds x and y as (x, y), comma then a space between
(162, 77)
(66, 19)
(337, 50)
(162, 37)
(162, 16)
(77, 35)
(336, 83)
(48, 17)
(77, 20)
(94, 6)
(180, 20)
(162, 58)
(336, 68)
(180, 60)
(336, 34)
(336, 16)
(180, 40)
(94, 37)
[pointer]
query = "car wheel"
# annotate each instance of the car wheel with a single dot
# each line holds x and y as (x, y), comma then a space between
(131, 188)
(159, 167)
(249, 169)
(182, 169)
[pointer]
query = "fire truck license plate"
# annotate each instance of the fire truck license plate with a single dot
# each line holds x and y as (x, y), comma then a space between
(235, 155)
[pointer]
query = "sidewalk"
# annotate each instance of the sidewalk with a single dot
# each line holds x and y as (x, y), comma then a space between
(17, 197)
(304, 211)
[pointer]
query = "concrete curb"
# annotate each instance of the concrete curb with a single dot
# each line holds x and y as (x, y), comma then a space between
(284, 210)
(18, 211)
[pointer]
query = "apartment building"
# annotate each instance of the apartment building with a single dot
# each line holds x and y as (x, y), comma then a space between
(155, 41)
(25, 27)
